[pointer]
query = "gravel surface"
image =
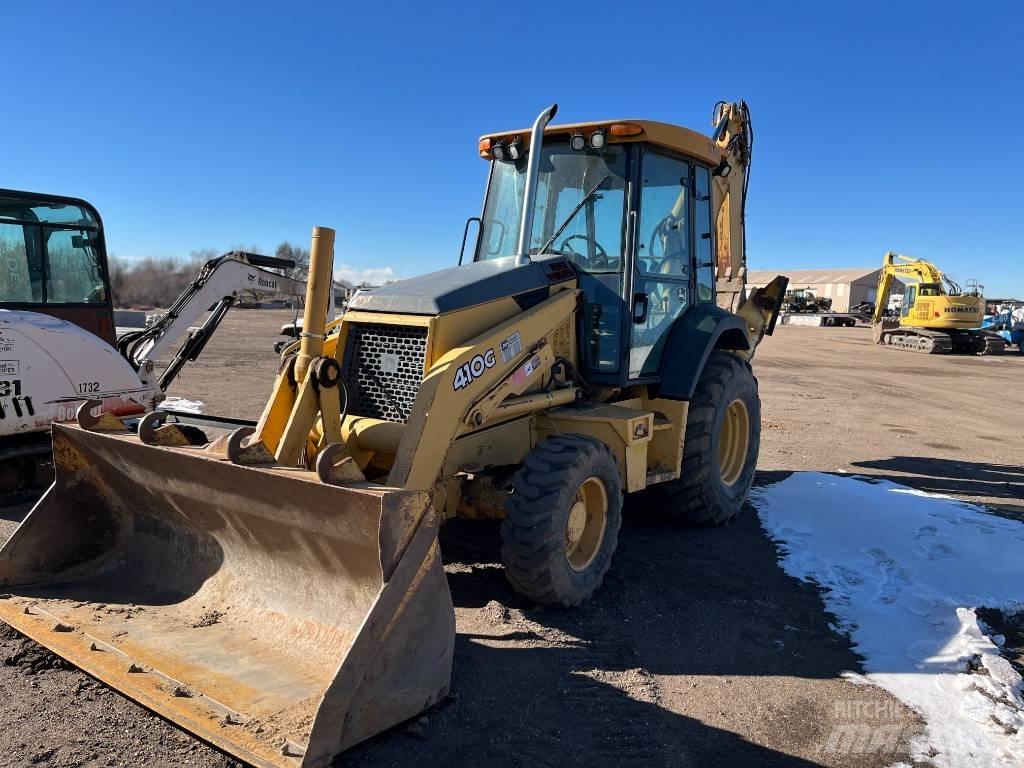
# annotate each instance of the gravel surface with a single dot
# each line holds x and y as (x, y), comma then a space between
(698, 650)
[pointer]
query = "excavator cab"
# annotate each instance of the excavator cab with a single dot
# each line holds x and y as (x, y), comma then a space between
(53, 260)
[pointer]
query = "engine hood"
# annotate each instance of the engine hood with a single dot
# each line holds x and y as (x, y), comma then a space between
(450, 289)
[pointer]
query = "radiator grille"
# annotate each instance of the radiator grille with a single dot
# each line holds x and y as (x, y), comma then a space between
(384, 368)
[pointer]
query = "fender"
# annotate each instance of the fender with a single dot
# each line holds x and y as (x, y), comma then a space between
(691, 339)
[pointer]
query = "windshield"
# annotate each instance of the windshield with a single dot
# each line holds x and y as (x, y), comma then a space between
(43, 264)
(592, 237)
(44, 211)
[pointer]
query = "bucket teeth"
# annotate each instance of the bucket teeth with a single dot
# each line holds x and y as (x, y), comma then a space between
(153, 430)
(91, 418)
(335, 466)
(241, 451)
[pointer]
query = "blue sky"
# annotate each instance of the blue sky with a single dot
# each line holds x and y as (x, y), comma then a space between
(208, 125)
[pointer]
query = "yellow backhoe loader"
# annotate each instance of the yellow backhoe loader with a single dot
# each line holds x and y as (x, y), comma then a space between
(936, 315)
(278, 590)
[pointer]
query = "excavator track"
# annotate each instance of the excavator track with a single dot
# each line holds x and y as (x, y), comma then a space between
(919, 340)
(26, 469)
(943, 342)
(993, 345)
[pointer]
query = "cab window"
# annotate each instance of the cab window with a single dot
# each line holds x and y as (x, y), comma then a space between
(21, 265)
(580, 208)
(663, 242)
(44, 264)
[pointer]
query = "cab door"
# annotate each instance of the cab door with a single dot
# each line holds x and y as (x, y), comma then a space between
(663, 274)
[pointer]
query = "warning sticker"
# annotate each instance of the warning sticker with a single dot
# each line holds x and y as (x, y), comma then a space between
(511, 347)
(526, 371)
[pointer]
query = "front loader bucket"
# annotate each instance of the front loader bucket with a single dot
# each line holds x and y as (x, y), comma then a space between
(279, 618)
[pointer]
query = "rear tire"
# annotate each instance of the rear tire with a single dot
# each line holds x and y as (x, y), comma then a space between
(721, 444)
(562, 520)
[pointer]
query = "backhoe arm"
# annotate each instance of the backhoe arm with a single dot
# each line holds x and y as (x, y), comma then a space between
(218, 284)
(734, 135)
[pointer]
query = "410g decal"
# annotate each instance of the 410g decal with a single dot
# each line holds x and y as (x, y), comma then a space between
(474, 369)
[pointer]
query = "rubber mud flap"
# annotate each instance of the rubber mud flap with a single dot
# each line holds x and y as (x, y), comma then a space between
(281, 619)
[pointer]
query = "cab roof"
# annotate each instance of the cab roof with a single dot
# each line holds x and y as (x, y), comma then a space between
(672, 137)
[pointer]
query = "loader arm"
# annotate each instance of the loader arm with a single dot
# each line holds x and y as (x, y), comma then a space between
(453, 387)
(218, 284)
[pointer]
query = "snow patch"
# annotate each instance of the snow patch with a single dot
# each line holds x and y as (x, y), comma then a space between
(181, 404)
(903, 572)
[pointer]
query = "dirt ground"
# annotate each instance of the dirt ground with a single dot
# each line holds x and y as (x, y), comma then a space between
(697, 651)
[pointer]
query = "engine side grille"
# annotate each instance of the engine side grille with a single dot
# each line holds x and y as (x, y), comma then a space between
(384, 368)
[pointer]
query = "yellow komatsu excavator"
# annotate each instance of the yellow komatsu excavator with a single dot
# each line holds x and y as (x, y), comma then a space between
(936, 315)
(278, 590)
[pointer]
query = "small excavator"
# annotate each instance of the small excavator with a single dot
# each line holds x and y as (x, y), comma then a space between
(278, 589)
(58, 344)
(937, 316)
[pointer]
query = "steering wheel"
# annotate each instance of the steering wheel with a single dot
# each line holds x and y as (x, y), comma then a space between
(666, 228)
(600, 260)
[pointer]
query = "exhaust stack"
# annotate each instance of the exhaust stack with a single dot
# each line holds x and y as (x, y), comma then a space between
(532, 177)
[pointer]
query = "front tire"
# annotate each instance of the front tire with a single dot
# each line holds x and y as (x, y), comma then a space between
(721, 444)
(562, 520)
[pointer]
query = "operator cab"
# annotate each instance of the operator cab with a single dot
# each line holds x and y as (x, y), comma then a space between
(633, 216)
(53, 260)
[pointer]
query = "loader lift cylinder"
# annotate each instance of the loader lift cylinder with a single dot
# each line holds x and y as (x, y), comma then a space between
(318, 294)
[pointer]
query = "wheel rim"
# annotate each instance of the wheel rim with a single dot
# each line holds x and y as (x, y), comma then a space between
(588, 518)
(734, 442)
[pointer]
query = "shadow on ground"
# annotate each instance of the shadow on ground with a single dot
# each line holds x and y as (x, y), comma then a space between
(683, 615)
(1000, 486)
(14, 513)
(697, 651)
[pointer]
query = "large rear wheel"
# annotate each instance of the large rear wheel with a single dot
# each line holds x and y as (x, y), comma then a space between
(722, 440)
(562, 520)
